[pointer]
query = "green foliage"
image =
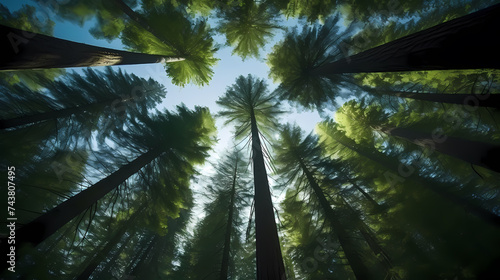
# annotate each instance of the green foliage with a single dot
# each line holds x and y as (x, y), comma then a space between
(311, 10)
(417, 212)
(248, 27)
(389, 11)
(195, 7)
(451, 81)
(110, 20)
(179, 36)
(292, 148)
(293, 61)
(96, 100)
(358, 121)
(229, 195)
(249, 96)
(316, 254)
(196, 127)
(26, 19)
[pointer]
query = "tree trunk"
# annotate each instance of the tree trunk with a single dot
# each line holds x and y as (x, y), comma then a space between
(26, 50)
(105, 250)
(372, 241)
(229, 227)
(268, 251)
(143, 248)
(144, 256)
(42, 227)
(103, 274)
(357, 264)
(366, 195)
(54, 114)
(152, 264)
(468, 42)
(474, 152)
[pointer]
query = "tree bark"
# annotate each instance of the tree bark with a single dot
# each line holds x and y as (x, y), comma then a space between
(103, 273)
(229, 227)
(144, 256)
(105, 250)
(365, 194)
(357, 264)
(42, 227)
(268, 251)
(145, 244)
(468, 42)
(47, 224)
(25, 50)
(372, 241)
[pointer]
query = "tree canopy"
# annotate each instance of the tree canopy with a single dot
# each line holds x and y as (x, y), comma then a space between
(240, 139)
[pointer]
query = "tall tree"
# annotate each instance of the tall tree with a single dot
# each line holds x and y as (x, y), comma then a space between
(299, 157)
(315, 251)
(315, 54)
(115, 238)
(216, 242)
(237, 197)
(457, 44)
(249, 104)
(97, 95)
(194, 130)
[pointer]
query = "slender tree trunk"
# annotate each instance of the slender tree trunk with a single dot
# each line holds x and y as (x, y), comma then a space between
(44, 226)
(474, 152)
(268, 251)
(154, 260)
(55, 114)
(365, 194)
(26, 50)
(143, 248)
(103, 273)
(144, 256)
(354, 258)
(101, 254)
(229, 227)
(372, 241)
(468, 42)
